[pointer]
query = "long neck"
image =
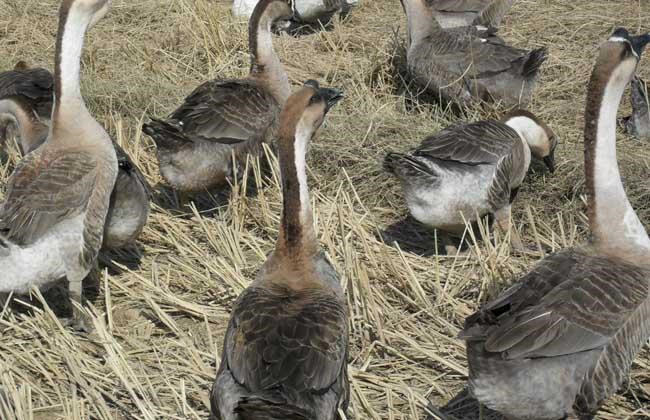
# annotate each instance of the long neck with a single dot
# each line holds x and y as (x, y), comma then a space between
(421, 22)
(67, 95)
(265, 64)
(296, 226)
(615, 227)
(32, 132)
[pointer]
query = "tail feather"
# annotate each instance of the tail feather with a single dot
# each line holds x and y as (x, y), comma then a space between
(534, 61)
(165, 134)
(255, 408)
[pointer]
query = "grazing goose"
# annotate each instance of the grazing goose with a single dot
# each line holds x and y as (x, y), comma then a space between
(472, 169)
(305, 11)
(462, 13)
(222, 118)
(562, 339)
(461, 67)
(52, 221)
(285, 350)
(638, 124)
(27, 105)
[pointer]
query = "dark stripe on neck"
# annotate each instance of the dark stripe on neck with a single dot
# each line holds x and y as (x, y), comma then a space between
(63, 18)
(291, 228)
(253, 28)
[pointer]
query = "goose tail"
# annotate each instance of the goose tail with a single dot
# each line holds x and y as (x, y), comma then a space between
(256, 408)
(533, 62)
(166, 135)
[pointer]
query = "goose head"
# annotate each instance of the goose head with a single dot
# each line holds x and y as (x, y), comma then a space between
(538, 135)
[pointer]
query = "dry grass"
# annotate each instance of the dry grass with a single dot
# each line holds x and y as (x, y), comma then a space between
(160, 318)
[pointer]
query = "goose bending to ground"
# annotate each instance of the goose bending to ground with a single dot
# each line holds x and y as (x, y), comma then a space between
(52, 221)
(459, 66)
(472, 170)
(638, 124)
(305, 11)
(463, 13)
(561, 340)
(26, 104)
(225, 118)
(285, 351)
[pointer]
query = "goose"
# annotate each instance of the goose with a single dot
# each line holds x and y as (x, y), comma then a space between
(472, 169)
(52, 220)
(26, 103)
(225, 118)
(561, 340)
(463, 13)
(461, 67)
(285, 350)
(638, 124)
(305, 11)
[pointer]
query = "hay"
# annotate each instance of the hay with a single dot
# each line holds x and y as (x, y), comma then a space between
(161, 309)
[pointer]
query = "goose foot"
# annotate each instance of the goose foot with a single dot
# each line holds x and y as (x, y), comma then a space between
(80, 321)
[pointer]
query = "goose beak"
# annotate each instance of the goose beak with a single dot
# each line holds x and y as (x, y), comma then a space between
(549, 161)
(332, 96)
(639, 43)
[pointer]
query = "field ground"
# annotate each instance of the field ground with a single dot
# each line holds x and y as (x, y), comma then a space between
(162, 313)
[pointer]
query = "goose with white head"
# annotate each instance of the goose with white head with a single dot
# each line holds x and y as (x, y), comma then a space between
(471, 170)
(52, 221)
(26, 106)
(463, 67)
(225, 117)
(285, 350)
(562, 339)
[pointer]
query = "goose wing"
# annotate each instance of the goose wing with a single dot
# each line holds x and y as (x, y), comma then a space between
(492, 15)
(293, 339)
(36, 85)
(569, 303)
(226, 111)
(125, 163)
(483, 142)
(43, 190)
(477, 57)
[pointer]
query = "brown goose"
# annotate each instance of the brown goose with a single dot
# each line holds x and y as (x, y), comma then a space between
(472, 169)
(222, 118)
(52, 221)
(27, 105)
(462, 13)
(460, 66)
(285, 351)
(562, 339)
(638, 124)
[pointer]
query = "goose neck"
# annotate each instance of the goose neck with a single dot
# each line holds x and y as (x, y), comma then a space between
(421, 22)
(32, 132)
(614, 224)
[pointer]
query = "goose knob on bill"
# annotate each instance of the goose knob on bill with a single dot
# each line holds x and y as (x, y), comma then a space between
(561, 340)
(285, 350)
(52, 221)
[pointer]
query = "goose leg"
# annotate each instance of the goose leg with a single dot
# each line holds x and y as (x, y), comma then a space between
(503, 219)
(183, 199)
(79, 321)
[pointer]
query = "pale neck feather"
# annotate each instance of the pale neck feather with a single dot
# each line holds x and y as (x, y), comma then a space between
(266, 65)
(421, 22)
(615, 225)
(303, 135)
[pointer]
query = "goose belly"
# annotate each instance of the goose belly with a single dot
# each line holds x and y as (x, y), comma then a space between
(196, 168)
(43, 262)
(453, 198)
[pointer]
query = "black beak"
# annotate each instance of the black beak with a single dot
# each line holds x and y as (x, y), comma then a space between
(639, 43)
(549, 161)
(332, 96)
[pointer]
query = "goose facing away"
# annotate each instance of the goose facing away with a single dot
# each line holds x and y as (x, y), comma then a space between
(561, 340)
(52, 221)
(459, 66)
(472, 170)
(222, 118)
(26, 104)
(285, 350)
(463, 13)
(638, 124)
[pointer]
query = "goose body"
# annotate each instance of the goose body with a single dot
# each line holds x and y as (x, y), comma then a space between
(471, 170)
(225, 118)
(561, 340)
(461, 66)
(285, 350)
(638, 124)
(52, 220)
(463, 13)
(26, 103)
(305, 11)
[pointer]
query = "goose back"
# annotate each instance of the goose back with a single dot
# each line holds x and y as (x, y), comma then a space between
(459, 13)
(34, 85)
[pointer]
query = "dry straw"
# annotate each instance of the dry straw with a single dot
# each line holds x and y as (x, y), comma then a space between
(161, 309)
